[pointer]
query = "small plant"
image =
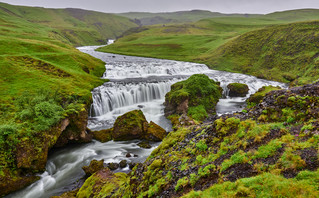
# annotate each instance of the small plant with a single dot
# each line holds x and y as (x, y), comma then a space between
(181, 183)
(201, 145)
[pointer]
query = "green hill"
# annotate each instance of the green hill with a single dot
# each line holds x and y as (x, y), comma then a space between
(266, 46)
(147, 18)
(79, 27)
(45, 82)
(186, 41)
(284, 53)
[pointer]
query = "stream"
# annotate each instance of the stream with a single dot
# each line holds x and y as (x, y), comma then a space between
(135, 83)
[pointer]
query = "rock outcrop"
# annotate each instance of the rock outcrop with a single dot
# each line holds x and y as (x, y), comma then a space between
(129, 126)
(237, 89)
(197, 96)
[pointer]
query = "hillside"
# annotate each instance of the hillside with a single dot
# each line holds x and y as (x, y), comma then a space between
(148, 18)
(268, 150)
(46, 83)
(78, 27)
(265, 46)
(185, 42)
(286, 53)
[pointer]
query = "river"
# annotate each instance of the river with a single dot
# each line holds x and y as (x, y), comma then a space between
(135, 83)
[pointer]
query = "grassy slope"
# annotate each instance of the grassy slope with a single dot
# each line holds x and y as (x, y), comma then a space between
(188, 41)
(37, 53)
(206, 40)
(147, 18)
(282, 53)
(79, 27)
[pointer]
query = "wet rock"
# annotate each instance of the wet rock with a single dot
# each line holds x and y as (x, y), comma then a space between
(140, 106)
(93, 167)
(128, 155)
(103, 135)
(113, 166)
(123, 164)
(237, 89)
(71, 194)
(131, 125)
(155, 132)
(144, 144)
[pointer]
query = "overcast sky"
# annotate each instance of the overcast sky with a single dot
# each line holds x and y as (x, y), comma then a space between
(224, 6)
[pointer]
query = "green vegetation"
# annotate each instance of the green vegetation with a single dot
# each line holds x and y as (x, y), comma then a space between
(44, 81)
(147, 18)
(265, 185)
(74, 26)
(199, 92)
(264, 46)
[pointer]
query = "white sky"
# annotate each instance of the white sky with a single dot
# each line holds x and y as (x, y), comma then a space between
(224, 6)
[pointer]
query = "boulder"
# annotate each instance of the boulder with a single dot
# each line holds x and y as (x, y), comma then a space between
(123, 164)
(144, 144)
(237, 89)
(103, 135)
(197, 93)
(155, 132)
(131, 125)
(104, 183)
(113, 166)
(93, 167)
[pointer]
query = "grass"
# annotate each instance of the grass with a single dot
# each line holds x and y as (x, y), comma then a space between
(44, 78)
(267, 46)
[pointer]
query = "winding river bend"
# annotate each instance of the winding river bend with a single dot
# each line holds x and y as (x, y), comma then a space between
(135, 83)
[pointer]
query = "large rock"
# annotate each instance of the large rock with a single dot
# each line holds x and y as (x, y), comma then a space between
(93, 167)
(237, 89)
(76, 131)
(260, 94)
(131, 125)
(103, 184)
(103, 135)
(155, 132)
(196, 96)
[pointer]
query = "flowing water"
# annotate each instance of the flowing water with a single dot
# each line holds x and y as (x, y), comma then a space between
(135, 83)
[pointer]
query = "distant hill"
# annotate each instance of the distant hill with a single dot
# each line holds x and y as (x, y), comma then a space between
(147, 18)
(295, 15)
(283, 53)
(79, 27)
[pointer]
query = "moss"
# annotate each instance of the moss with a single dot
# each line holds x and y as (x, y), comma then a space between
(237, 89)
(260, 94)
(131, 125)
(198, 91)
(181, 183)
(103, 135)
(265, 185)
(102, 184)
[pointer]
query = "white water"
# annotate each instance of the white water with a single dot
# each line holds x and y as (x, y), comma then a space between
(136, 83)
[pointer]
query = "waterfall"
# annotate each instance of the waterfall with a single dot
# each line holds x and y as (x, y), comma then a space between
(112, 95)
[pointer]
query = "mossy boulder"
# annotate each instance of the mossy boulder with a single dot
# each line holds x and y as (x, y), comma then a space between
(103, 184)
(93, 167)
(144, 144)
(155, 132)
(131, 125)
(198, 93)
(237, 89)
(103, 135)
